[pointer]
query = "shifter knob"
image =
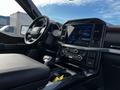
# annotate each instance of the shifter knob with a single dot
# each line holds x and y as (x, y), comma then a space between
(47, 59)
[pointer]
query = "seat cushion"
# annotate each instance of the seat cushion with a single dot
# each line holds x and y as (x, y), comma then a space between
(17, 70)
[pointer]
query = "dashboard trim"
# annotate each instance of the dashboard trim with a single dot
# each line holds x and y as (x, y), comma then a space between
(107, 50)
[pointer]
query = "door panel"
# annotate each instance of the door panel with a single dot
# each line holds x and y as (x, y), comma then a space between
(6, 39)
(11, 44)
(14, 48)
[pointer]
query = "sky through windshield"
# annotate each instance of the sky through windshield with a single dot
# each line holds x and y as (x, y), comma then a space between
(62, 10)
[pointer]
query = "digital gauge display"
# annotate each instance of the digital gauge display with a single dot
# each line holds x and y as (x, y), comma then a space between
(77, 34)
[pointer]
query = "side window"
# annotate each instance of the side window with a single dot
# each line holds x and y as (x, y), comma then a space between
(9, 30)
(24, 29)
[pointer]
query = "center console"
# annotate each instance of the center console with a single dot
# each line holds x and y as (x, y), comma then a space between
(78, 56)
(78, 39)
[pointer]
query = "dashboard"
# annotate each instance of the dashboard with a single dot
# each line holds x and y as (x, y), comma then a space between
(76, 37)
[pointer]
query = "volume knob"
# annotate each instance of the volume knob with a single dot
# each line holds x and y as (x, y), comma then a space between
(75, 50)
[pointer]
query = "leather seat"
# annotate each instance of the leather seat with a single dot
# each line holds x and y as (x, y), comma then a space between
(19, 72)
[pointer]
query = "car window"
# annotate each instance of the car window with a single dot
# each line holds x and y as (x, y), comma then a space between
(24, 29)
(9, 30)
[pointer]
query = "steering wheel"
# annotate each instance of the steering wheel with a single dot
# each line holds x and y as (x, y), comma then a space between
(37, 30)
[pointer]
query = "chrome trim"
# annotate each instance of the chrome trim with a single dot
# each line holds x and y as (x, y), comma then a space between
(114, 46)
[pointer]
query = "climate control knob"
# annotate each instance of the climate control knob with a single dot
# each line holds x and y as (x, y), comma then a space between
(80, 57)
(75, 50)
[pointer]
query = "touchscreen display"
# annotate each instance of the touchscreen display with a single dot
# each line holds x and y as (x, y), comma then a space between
(79, 33)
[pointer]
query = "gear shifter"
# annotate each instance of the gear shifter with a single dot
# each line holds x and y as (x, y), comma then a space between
(47, 60)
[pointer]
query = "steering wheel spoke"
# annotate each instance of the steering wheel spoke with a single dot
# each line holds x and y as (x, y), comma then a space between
(32, 39)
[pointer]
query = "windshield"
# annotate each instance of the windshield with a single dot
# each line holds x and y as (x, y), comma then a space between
(63, 10)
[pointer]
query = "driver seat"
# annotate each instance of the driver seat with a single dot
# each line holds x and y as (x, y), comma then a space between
(19, 72)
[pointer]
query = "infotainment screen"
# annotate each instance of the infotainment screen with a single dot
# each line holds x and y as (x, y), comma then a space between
(79, 33)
